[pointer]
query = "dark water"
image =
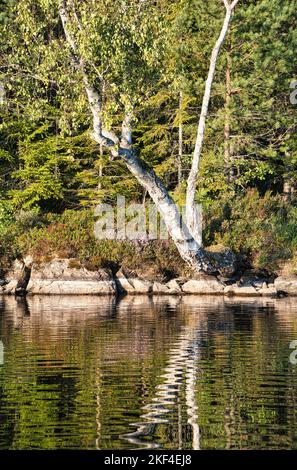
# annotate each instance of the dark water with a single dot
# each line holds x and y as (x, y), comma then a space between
(93, 373)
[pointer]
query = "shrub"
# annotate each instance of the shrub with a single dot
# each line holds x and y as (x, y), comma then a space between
(261, 229)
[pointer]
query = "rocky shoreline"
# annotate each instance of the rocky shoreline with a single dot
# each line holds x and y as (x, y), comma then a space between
(69, 277)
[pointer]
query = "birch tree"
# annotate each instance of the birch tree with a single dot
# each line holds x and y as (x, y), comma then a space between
(184, 235)
(110, 44)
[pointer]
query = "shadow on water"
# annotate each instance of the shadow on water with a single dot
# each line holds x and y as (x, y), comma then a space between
(144, 372)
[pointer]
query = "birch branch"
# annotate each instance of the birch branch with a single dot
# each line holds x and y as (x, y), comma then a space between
(101, 136)
(230, 6)
(192, 179)
(126, 140)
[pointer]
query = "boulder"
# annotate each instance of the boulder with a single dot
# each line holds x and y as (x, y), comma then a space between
(229, 291)
(10, 287)
(203, 284)
(171, 288)
(73, 287)
(68, 276)
(269, 292)
(256, 278)
(174, 286)
(17, 278)
(286, 284)
(241, 291)
(141, 286)
(223, 260)
(161, 289)
(128, 283)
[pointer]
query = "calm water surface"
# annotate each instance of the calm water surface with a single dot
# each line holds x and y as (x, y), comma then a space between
(169, 373)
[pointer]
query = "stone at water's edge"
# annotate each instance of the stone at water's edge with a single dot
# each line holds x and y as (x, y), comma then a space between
(269, 292)
(159, 288)
(244, 291)
(68, 276)
(73, 287)
(286, 284)
(16, 280)
(128, 283)
(171, 288)
(203, 285)
(174, 286)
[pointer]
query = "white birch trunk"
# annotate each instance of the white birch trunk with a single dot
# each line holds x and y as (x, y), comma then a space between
(180, 140)
(191, 214)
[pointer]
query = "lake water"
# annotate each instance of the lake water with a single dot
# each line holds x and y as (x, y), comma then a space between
(164, 373)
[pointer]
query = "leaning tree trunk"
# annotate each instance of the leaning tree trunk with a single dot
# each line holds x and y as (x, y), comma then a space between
(185, 239)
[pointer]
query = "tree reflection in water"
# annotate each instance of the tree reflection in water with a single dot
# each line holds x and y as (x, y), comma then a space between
(181, 365)
(172, 373)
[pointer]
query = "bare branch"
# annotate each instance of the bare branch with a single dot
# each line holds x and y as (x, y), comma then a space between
(233, 4)
(75, 15)
(230, 6)
(192, 179)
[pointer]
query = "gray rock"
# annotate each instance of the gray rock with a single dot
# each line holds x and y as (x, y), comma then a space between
(204, 285)
(223, 260)
(171, 288)
(17, 278)
(128, 283)
(229, 291)
(159, 288)
(269, 292)
(174, 286)
(287, 284)
(141, 286)
(258, 284)
(241, 291)
(10, 287)
(68, 276)
(74, 287)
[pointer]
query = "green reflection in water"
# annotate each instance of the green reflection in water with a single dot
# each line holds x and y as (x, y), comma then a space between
(173, 373)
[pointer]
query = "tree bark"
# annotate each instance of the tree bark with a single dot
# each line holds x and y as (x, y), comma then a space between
(191, 213)
(180, 141)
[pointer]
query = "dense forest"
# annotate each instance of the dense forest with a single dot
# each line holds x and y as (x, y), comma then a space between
(149, 60)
